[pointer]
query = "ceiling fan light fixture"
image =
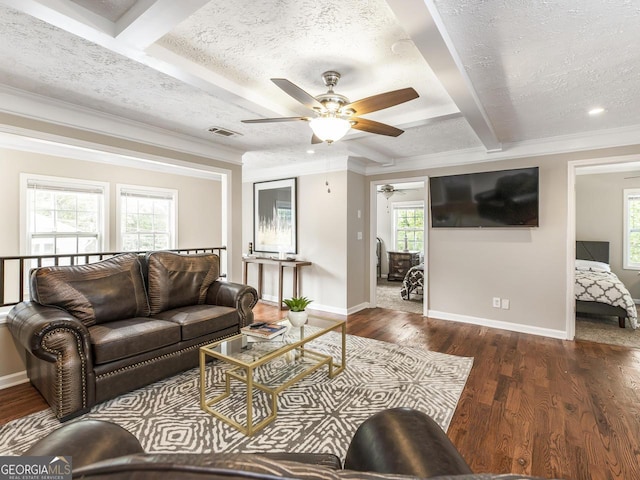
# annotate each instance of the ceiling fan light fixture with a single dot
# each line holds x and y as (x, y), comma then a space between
(329, 128)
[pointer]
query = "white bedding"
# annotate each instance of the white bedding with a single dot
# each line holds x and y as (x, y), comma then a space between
(605, 287)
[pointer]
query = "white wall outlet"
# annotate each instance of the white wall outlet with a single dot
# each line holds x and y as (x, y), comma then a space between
(505, 304)
(359, 213)
(496, 302)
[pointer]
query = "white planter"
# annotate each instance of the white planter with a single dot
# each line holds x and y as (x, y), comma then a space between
(297, 319)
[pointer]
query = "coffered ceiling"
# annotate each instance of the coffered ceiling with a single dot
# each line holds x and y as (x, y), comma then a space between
(496, 79)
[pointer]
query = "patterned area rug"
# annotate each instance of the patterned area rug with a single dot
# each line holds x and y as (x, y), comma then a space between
(316, 415)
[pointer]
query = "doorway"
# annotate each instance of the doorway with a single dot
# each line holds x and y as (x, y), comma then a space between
(595, 213)
(399, 244)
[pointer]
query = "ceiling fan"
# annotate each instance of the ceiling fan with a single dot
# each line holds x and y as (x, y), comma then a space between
(388, 191)
(333, 114)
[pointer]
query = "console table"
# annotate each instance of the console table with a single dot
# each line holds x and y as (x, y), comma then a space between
(260, 261)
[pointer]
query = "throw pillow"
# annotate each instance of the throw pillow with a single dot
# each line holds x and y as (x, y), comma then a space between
(176, 280)
(100, 292)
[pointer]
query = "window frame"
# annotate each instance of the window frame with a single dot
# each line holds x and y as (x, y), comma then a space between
(627, 264)
(151, 191)
(413, 204)
(61, 182)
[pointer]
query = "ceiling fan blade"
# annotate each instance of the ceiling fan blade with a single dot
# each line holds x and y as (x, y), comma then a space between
(273, 120)
(296, 92)
(315, 139)
(375, 127)
(382, 100)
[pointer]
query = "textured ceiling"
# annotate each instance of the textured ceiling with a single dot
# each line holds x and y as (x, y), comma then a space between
(250, 42)
(488, 73)
(541, 65)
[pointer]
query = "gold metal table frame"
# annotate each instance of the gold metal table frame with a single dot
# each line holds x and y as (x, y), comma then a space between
(233, 349)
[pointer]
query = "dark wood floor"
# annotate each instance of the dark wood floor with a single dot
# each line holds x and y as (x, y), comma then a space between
(532, 405)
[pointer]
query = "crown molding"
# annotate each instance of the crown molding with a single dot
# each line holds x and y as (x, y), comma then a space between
(41, 108)
(617, 137)
(112, 156)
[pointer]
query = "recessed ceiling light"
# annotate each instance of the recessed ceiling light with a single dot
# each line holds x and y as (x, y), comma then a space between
(311, 151)
(596, 111)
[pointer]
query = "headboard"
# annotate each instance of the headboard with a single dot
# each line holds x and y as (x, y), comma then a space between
(597, 251)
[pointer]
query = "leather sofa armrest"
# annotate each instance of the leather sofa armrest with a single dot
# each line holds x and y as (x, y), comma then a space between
(404, 441)
(31, 323)
(235, 295)
(59, 356)
(87, 442)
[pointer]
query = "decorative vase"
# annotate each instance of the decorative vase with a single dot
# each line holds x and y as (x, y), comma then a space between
(297, 319)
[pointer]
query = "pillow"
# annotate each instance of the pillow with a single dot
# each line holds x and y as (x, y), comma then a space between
(176, 280)
(593, 266)
(100, 292)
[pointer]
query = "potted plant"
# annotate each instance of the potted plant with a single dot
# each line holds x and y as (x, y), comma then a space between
(297, 314)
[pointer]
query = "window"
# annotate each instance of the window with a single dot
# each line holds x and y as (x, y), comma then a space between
(631, 229)
(408, 221)
(63, 215)
(146, 218)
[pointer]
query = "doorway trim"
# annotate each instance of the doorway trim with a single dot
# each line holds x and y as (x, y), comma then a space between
(373, 222)
(572, 166)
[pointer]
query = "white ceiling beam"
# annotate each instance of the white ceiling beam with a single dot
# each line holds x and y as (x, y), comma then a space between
(378, 156)
(149, 20)
(208, 80)
(79, 21)
(423, 24)
(66, 15)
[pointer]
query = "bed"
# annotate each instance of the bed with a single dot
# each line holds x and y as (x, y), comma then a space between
(598, 291)
(413, 282)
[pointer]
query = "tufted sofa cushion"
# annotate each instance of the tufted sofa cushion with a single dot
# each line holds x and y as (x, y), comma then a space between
(176, 280)
(100, 292)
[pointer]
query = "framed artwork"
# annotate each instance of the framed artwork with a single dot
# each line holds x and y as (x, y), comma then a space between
(274, 216)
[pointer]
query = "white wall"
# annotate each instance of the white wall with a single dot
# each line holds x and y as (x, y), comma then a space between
(468, 267)
(322, 239)
(356, 247)
(600, 217)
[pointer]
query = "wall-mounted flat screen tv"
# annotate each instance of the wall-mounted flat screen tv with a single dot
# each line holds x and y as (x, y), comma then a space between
(505, 198)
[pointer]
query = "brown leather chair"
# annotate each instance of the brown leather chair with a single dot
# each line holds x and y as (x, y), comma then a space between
(393, 444)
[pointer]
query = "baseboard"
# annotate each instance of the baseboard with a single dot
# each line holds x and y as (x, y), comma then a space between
(485, 322)
(357, 308)
(13, 379)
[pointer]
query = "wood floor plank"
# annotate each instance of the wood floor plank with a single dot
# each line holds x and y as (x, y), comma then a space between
(532, 405)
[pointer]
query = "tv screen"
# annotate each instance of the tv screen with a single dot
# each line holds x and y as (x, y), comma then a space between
(506, 198)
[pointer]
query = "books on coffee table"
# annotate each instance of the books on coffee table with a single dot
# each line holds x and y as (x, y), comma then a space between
(264, 330)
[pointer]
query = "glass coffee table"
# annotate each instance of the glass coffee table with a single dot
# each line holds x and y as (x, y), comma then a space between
(249, 359)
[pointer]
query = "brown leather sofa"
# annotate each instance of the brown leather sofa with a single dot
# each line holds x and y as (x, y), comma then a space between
(92, 332)
(397, 444)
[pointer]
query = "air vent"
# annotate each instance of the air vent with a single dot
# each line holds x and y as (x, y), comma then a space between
(223, 132)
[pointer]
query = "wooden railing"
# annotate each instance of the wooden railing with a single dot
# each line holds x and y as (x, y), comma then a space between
(14, 270)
